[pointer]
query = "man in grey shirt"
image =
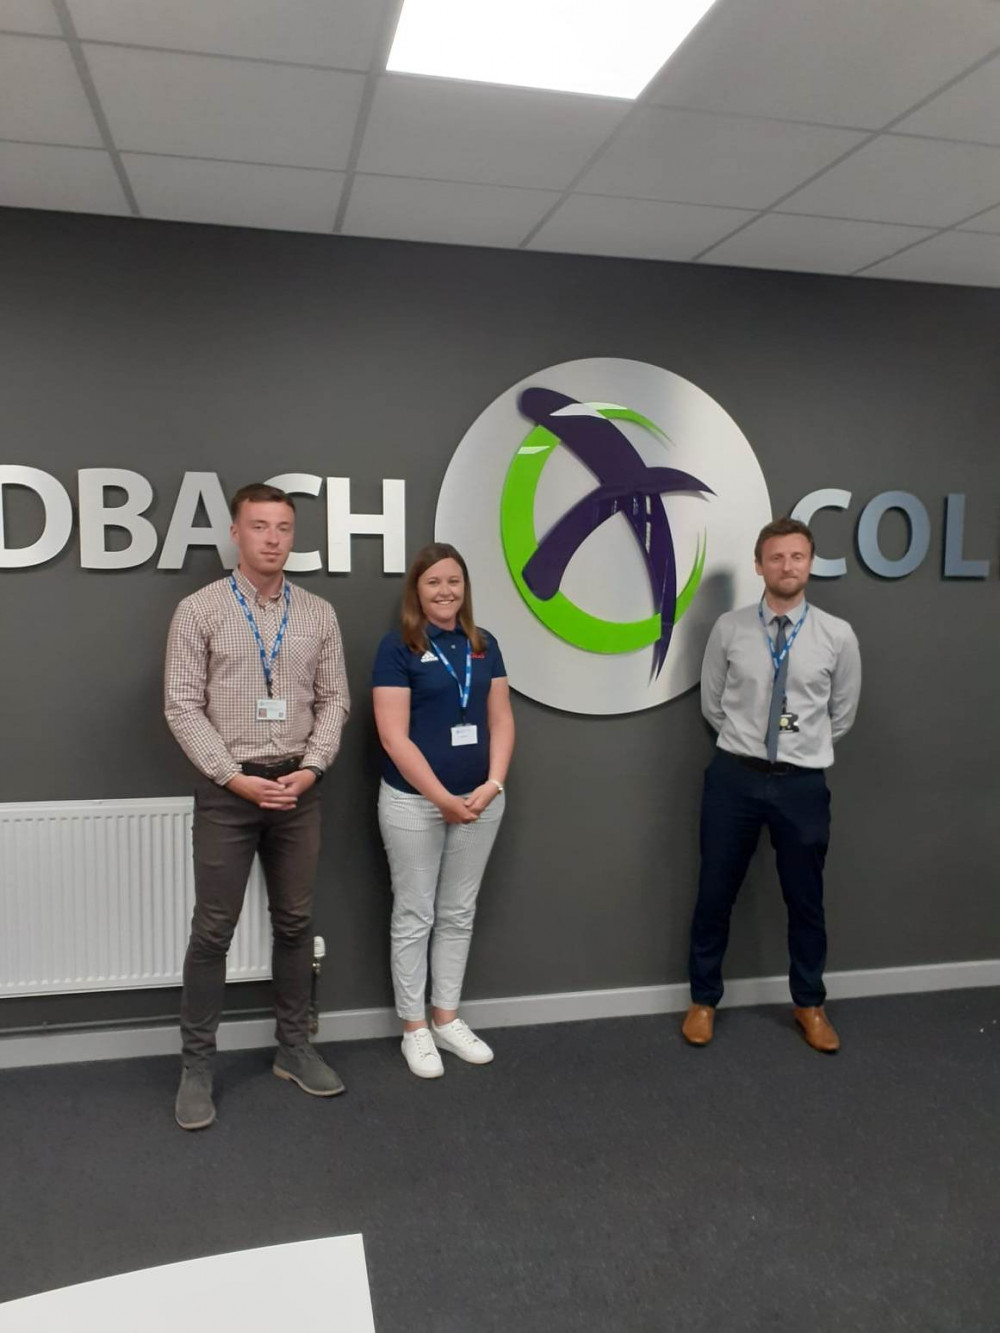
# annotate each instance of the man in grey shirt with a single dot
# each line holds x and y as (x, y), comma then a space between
(780, 684)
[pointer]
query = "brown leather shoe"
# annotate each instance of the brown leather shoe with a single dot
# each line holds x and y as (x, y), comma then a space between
(817, 1029)
(699, 1025)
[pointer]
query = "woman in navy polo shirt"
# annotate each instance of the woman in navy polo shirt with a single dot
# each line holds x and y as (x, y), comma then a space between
(442, 708)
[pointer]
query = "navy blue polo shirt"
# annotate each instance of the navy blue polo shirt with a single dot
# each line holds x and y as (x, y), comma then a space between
(435, 706)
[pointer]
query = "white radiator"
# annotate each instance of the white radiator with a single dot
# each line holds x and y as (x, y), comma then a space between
(97, 895)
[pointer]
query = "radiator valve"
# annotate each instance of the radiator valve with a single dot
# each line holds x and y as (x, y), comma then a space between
(319, 953)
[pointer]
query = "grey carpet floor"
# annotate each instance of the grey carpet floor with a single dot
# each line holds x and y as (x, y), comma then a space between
(598, 1176)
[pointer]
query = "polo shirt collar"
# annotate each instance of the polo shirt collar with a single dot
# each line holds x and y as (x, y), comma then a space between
(436, 631)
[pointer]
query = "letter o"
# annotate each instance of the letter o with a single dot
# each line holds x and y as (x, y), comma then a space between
(868, 526)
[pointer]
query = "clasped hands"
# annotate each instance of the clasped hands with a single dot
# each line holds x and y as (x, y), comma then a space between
(278, 794)
(467, 809)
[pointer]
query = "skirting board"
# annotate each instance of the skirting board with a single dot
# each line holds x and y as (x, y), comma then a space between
(505, 1011)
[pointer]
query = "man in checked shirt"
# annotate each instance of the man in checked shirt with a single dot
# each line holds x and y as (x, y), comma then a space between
(256, 695)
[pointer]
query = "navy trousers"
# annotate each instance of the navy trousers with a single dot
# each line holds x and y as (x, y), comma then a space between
(794, 806)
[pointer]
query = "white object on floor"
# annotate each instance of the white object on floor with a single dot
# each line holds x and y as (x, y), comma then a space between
(244, 1290)
(458, 1038)
(421, 1055)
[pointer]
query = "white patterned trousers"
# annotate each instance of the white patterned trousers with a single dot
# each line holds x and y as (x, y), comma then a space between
(436, 869)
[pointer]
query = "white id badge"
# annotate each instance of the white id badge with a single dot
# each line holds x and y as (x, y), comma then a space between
(464, 735)
(272, 710)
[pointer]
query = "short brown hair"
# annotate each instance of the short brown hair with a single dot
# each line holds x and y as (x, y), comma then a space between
(413, 619)
(257, 492)
(782, 527)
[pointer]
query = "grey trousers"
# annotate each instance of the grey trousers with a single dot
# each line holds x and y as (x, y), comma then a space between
(436, 869)
(227, 832)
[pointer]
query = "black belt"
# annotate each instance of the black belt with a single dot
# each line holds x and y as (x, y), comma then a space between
(777, 769)
(272, 771)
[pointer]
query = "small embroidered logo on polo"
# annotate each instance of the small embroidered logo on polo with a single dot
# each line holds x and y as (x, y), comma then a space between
(429, 657)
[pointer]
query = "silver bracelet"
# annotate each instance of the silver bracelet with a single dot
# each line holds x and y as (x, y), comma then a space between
(498, 785)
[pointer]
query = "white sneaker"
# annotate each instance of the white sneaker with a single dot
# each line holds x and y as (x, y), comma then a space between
(421, 1054)
(459, 1038)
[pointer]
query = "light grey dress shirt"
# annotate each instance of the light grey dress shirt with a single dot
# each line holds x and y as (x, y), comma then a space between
(824, 683)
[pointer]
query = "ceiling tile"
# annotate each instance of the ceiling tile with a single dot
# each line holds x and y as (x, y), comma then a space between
(989, 221)
(483, 134)
(203, 106)
(239, 194)
(636, 228)
(317, 32)
(954, 256)
(447, 211)
(925, 182)
(72, 180)
(693, 158)
(841, 62)
(968, 110)
(812, 245)
(41, 96)
(29, 16)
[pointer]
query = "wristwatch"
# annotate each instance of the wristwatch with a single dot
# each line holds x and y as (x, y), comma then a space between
(498, 785)
(311, 768)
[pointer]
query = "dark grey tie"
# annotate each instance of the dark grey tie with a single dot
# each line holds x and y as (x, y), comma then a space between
(777, 690)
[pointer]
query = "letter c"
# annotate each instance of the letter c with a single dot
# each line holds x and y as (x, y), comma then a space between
(807, 507)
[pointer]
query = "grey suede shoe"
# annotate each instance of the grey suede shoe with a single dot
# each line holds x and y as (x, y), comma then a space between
(194, 1108)
(305, 1066)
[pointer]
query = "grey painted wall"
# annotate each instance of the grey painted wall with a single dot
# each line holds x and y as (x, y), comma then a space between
(164, 347)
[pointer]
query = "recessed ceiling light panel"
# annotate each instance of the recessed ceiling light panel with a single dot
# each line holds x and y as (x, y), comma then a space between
(610, 48)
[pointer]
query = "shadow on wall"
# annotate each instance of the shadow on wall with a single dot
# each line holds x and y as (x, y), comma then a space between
(715, 596)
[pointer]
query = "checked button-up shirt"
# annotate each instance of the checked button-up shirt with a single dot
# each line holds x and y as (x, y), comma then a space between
(214, 678)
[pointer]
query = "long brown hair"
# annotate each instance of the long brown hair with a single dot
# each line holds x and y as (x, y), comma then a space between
(413, 619)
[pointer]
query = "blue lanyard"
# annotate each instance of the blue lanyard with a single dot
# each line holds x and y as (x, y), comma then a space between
(267, 662)
(778, 658)
(463, 692)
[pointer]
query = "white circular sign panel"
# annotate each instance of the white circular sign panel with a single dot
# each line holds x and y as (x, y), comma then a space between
(607, 577)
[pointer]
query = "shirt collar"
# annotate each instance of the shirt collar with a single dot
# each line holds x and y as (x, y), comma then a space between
(251, 593)
(794, 615)
(436, 631)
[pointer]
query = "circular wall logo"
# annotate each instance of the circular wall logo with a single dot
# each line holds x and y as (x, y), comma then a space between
(608, 511)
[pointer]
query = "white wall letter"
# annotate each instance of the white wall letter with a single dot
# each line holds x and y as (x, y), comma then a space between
(299, 483)
(390, 525)
(58, 517)
(96, 518)
(182, 533)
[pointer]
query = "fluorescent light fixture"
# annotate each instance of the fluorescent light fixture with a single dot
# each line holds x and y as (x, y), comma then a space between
(611, 48)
